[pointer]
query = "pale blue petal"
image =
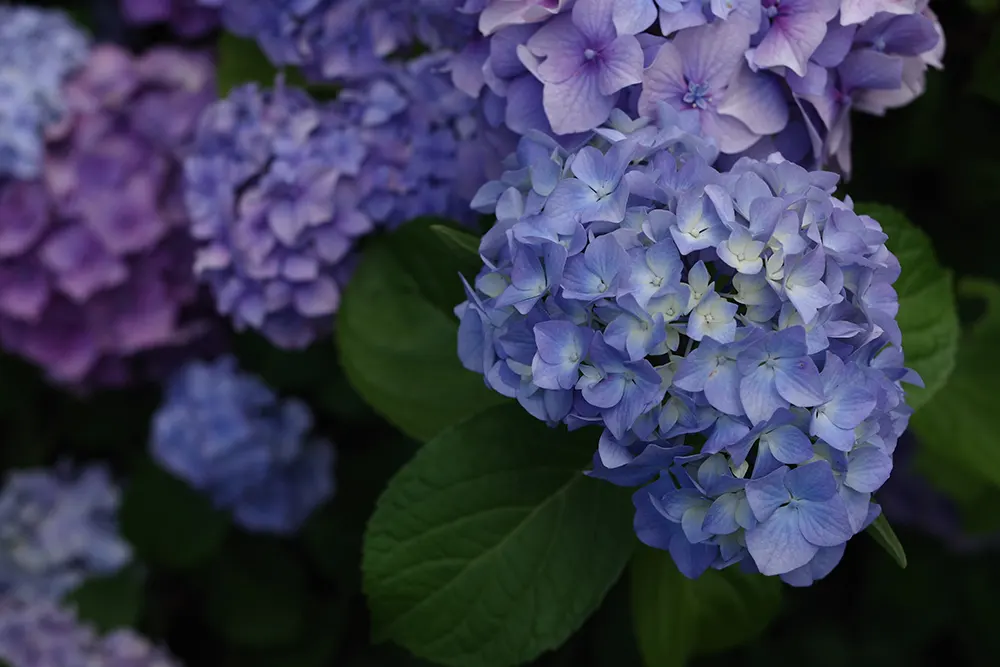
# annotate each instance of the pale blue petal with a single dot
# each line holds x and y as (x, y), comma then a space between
(777, 545)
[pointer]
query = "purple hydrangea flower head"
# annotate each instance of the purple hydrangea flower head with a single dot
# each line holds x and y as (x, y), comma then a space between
(347, 39)
(95, 255)
(279, 188)
(39, 48)
(188, 18)
(765, 75)
(57, 528)
(229, 435)
(38, 633)
(734, 334)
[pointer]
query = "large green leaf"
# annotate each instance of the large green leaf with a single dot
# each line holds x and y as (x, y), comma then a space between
(398, 337)
(676, 617)
(491, 546)
(169, 523)
(928, 316)
(959, 424)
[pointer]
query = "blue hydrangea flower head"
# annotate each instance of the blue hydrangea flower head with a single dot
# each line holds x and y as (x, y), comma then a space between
(57, 528)
(38, 633)
(280, 187)
(733, 333)
(345, 40)
(39, 48)
(95, 254)
(228, 435)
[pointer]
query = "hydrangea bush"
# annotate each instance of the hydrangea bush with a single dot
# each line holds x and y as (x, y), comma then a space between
(569, 283)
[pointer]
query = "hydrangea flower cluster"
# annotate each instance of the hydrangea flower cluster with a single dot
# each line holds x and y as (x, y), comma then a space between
(188, 18)
(279, 188)
(227, 434)
(347, 40)
(38, 633)
(38, 49)
(57, 528)
(733, 333)
(95, 256)
(765, 75)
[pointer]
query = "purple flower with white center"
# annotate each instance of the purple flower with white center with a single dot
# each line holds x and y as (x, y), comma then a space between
(39, 49)
(734, 333)
(96, 256)
(229, 436)
(792, 31)
(704, 69)
(583, 61)
(39, 633)
(280, 188)
(188, 18)
(58, 528)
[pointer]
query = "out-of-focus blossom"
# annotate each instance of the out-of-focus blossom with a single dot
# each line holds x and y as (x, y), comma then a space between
(57, 528)
(734, 333)
(228, 435)
(95, 256)
(38, 633)
(280, 187)
(347, 39)
(39, 48)
(188, 18)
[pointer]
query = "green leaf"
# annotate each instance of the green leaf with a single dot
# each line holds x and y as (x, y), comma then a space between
(490, 546)
(676, 617)
(167, 522)
(883, 533)
(257, 597)
(110, 602)
(928, 316)
(398, 338)
(241, 61)
(460, 241)
(959, 424)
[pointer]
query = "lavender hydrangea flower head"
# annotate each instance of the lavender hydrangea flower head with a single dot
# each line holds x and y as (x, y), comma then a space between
(38, 633)
(57, 528)
(347, 40)
(228, 435)
(39, 48)
(95, 257)
(279, 188)
(188, 18)
(733, 333)
(764, 75)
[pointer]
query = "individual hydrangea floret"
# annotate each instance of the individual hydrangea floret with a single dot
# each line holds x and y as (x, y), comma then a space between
(57, 528)
(280, 187)
(95, 256)
(763, 75)
(230, 436)
(38, 633)
(188, 18)
(347, 40)
(39, 48)
(733, 333)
